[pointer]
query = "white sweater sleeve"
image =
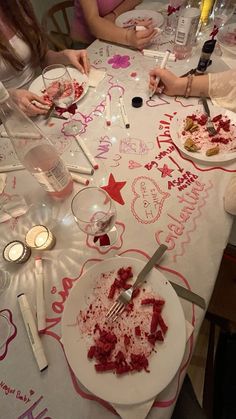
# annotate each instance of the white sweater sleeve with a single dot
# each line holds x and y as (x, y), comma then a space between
(230, 196)
(222, 89)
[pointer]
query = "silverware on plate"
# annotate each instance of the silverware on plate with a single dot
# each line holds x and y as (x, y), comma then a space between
(188, 295)
(49, 112)
(126, 296)
(210, 126)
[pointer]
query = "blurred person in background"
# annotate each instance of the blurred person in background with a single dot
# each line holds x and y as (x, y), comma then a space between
(96, 19)
(23, 48)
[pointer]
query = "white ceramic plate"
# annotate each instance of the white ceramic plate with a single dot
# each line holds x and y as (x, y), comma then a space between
(225, 38)
(128, 388)
(129, 19)
(37, 86)
(176, 134)
(152, 5)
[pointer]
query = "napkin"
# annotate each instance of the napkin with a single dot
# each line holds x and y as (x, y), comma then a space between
(140, 411)
(96, 76)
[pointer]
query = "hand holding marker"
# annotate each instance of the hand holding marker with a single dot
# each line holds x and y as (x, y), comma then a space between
(163, 64)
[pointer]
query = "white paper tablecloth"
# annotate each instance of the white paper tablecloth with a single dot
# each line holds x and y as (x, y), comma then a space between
(149, 200)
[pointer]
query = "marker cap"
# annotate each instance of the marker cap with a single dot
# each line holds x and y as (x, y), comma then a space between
(137, 102)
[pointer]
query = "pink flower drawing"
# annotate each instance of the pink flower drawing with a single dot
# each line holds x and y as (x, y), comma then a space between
(119, 61)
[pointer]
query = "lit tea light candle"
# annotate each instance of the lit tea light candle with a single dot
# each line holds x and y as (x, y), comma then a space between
(40, 237)
(16, 252)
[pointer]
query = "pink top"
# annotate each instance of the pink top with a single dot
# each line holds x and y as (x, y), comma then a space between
(79, 27)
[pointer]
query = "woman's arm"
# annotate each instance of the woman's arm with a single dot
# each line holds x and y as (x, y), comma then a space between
(172, 85)
(104, 28)
(125, 6)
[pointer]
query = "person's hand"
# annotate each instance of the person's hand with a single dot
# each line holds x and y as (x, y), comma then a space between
(168, 84)
(143, 38)
(27, 102)
(78, 58)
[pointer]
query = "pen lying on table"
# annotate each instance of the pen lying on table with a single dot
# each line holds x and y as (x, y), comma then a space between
(124, 113)
(40, 302)
(32, 332)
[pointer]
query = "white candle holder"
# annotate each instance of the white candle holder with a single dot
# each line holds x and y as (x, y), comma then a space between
(40, 237)
(16, 252)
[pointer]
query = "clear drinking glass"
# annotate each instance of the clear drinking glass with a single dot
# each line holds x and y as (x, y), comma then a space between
(59, 85)
(223, 10)
(172, 16)
(95, 213)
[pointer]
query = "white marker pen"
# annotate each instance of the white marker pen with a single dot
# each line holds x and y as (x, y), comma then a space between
(22, 135)
(124, 113)
(11, 168)
(86, 152)
(108, 110)
(32, 332)
(40, 301)
(80, 169)
(163, 64)
(79, 179)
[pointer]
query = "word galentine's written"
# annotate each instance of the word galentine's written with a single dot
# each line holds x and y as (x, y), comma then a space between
(177, 223)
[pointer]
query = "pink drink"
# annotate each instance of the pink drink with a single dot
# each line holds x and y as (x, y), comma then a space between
(49, 170)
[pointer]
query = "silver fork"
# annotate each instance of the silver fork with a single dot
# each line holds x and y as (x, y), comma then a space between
(210, 126)
(126, 296)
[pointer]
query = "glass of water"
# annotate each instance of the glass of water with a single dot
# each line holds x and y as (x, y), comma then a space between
(95, 213)
(59, 85)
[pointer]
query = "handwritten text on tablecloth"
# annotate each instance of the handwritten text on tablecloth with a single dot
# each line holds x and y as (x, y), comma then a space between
(148, 200)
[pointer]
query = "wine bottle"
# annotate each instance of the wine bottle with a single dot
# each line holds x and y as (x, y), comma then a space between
(34, 149)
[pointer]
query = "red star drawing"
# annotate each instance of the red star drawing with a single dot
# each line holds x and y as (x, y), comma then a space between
(165, 171)
(113, 189)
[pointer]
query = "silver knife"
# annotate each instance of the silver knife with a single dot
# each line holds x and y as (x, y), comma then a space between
(59, 116)
(188, 295)
(49, 112)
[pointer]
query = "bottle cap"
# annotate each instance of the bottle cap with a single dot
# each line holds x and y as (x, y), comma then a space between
(137, 102)
(209, 46)
(4, 95)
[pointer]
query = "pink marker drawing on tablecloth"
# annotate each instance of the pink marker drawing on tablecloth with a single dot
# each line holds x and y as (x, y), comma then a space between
(8, 331)
(119, 61)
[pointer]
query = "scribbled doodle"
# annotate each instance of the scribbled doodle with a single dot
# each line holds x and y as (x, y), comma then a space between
(134, 146)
